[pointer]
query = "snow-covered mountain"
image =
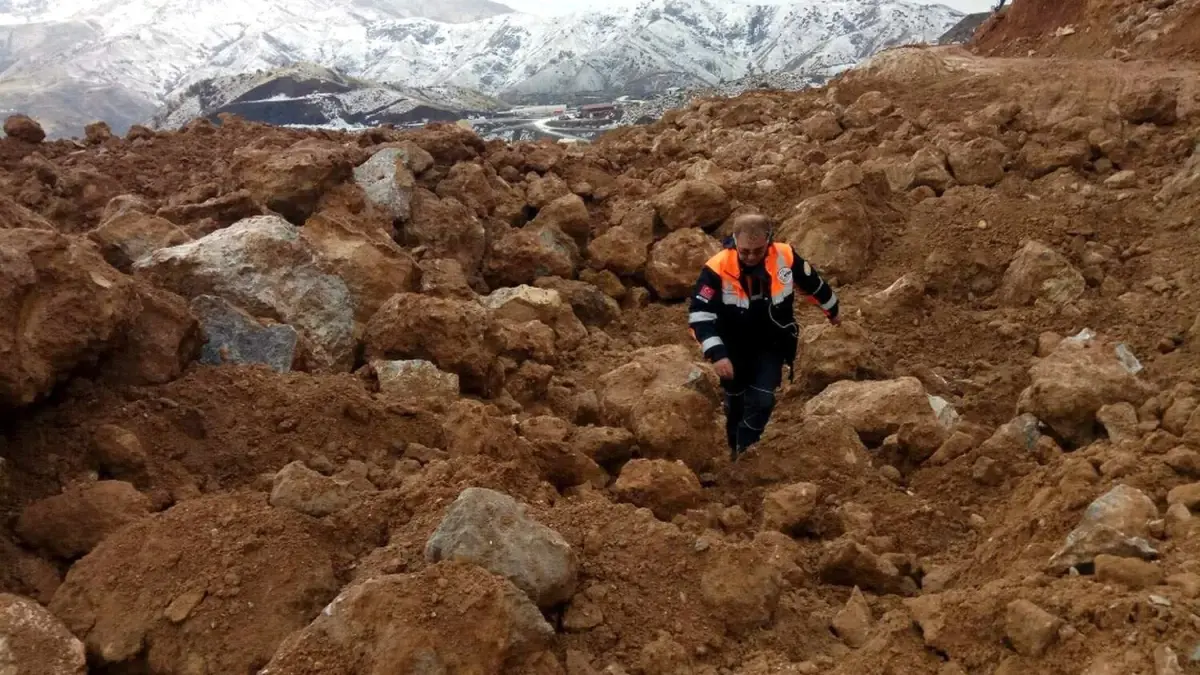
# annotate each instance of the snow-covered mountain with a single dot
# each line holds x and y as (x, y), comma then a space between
(128, 56)
(311, 95)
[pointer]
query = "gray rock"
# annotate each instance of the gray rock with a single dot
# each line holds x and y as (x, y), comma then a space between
(1019, 435)
(492, 530)
(1117, 523)
(387, 181)
(233, 336)
(36, 641)
(262, 265)
(415, 378)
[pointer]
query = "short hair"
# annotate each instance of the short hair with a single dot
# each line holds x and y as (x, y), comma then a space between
(752, 225)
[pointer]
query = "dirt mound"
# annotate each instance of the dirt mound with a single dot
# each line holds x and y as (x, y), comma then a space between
(319, 402)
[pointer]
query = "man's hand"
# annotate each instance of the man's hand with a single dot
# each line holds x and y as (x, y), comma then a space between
(835, 320)
(724, 369)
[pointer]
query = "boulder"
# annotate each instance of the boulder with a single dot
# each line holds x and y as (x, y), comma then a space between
(97, 133)
(692, 204)
(448, 143)
(118, 451)
(666, 488)
(592, 305)
(450, 333)
(286, 282)
(1075, 381)
(24, 128)
(445, 228)
(544, 190)
(215, 212)
(63, 307)
(676, 260)
(1040, 272)
(405, 623)
(904, 295)
(1132, 573)
(1122, 180)
(444, 278)
(467, 182)
(790, 508)
(373, 267)
(669, 401)
(1120, 422)
(619, 250)
(300, 488)
(1016, 438)
(387, 181)
(822, 126)
(130, 236)
(494, 531)
(415, 379)
(522, 256)
(522, 304)
(164, 338)
(36, 642)
(1186, 495)
(833, 232)
(291, 181)
(928, 168)
(877, 409)
(1155, 104)
(524, 342)
(70, 524)
(233, 336)
(979, 161)
(1030, 628)
(564, 467)
(1183, 183)
(740, 585)
(831, 353)
(242, 577)
(852, 623)
(13, 216)
(603, 445)
(1040, 158)
(844, 174)
(567, 213)
(1116, 523)
(609, 283)
(846, 562)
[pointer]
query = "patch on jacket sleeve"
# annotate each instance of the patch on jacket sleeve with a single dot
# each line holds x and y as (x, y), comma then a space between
(707, 292)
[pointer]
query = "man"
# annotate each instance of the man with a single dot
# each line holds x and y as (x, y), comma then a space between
(742, 315)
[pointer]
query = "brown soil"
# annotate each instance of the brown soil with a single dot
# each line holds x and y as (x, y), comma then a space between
(1092, 28)
(942, 546)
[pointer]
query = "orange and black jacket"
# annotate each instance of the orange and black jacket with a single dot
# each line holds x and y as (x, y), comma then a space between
(736, 312)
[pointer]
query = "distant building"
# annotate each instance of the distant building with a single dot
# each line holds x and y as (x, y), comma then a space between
(597, 110)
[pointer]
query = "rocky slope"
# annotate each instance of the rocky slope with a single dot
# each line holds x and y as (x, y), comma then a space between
(317, 402)
(123, 59)
(1090, 28)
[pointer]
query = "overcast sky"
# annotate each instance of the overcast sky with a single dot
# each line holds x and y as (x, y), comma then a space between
(548, 7)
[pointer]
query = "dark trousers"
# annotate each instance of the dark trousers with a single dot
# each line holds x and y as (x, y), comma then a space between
(750, 397)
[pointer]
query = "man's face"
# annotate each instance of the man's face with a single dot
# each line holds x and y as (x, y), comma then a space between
(751, 249)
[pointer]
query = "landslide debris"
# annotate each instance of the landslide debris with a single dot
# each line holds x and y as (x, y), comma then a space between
(289, 401)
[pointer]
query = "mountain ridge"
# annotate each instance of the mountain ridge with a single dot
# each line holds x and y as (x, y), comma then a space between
(141, 54)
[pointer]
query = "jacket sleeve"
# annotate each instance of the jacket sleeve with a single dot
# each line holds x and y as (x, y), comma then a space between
(809, 280)
(702, 315)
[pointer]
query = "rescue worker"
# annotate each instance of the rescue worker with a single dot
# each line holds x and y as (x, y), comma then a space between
(742, 316)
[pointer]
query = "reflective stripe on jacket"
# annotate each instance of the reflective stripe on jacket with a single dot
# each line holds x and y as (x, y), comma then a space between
(720, 317)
